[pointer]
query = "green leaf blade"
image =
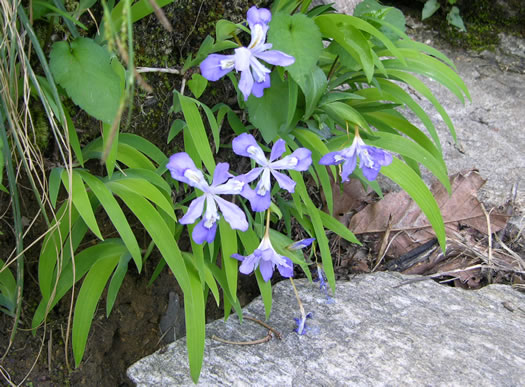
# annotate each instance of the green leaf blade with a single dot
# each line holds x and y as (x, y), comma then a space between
(83, 68)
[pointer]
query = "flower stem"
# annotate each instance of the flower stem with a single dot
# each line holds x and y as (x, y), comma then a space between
(236, 38)
(301, 308)
(332, 68)
(267, 232)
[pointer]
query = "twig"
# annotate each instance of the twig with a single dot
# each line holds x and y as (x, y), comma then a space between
(157, 70)
(489, 232)
(161, 16)
(268, 337)
(275, 332)
(424, 278)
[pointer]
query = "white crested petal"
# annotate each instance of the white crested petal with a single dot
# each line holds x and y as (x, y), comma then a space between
(231, 187)
(264, 184)
(258, 69)
(211, 215)
(242, 58)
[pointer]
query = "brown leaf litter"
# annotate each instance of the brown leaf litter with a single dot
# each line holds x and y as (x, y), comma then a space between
(403, 240)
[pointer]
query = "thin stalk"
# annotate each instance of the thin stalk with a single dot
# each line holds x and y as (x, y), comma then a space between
(13, 191)
(332, 68)
(301, 307)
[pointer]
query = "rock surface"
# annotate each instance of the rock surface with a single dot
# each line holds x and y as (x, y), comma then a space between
(375, 333)
(490, 129)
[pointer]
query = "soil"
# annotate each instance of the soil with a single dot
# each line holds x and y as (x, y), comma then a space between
(132, 330)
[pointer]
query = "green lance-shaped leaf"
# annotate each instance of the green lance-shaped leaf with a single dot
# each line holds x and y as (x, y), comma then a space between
(87, 301)
(194, 310)
(81, 200)
(330, 23)
(409, 181)
(7, 289)
(116, 282)
(229, 247)
(313, 88)
(83, 68)
(317, 224)
(116, 215)
(197, 132)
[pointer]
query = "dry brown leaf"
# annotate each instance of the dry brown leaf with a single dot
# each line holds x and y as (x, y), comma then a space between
(462, 207)
(352, 197)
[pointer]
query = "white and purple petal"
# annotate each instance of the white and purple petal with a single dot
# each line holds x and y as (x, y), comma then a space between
(304, 159)
(286, 268)
(221, 174)
(250, 176)
(303, 243)
(215, 66)
(194, 211)
(348, 167)
(332, 158)
(183, 169)
(278, 149)
(242, 142)
(284, 181)
(202, 234)
(258, 87)
(231, 187)
(276, 57)
(258, 16)
(266, 267)
(232, 214)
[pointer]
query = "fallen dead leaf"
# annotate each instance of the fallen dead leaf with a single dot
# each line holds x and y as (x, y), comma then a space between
(461, 208)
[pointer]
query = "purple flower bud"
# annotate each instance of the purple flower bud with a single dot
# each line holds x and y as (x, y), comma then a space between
(303, 243)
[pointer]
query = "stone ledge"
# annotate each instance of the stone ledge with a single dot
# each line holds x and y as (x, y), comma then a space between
(374, 334)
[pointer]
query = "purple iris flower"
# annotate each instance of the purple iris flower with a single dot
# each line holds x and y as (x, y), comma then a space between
(266, 258)
(183, 169)
(302, 328)
(299, 160)
(255, 77)
(371, 159)
(299, 245)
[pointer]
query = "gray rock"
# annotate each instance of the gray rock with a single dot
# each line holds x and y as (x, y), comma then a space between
(490, 129)
(172, 324)
(342, 6)
(374, 334)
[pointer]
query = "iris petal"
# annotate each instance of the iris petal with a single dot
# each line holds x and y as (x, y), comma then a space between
(258, 87)
(203, 234)
(284, 181)
(276, 57)
(215, 66)
(232, 214)
(286, 270)
(348, 167)
(242, 142)
(194, 211)
(278, 149)
(266, 268)
(221, 174)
